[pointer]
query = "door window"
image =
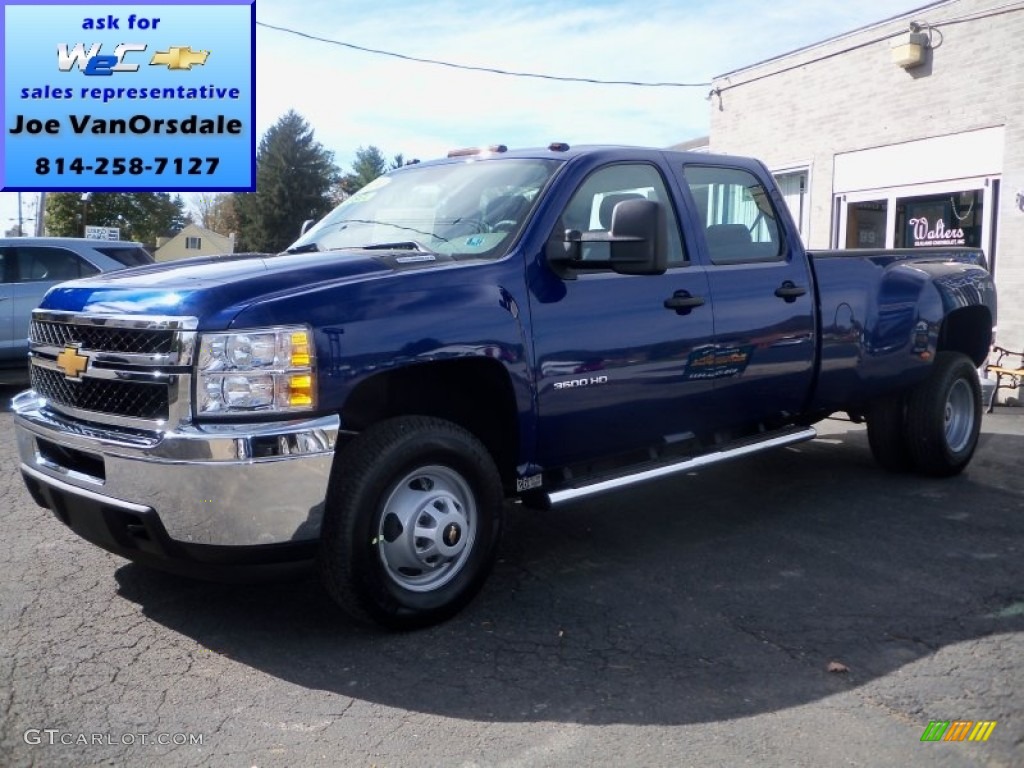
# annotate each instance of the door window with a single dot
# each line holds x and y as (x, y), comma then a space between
(38, 263)
(739, 220)
(590, 209)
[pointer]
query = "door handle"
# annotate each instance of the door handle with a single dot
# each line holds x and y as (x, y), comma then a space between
(790, 291)
(682, 302)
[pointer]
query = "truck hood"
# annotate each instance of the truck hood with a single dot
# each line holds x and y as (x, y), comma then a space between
(213, 289)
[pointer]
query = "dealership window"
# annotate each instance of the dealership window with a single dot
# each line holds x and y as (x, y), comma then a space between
(793, 186)
(865, 224)
(193, 243)
(945, 214)
(945, 219)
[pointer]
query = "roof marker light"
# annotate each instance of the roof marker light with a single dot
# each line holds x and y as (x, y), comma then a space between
(467, 151)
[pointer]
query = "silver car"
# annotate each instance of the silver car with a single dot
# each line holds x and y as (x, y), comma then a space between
(30, 266)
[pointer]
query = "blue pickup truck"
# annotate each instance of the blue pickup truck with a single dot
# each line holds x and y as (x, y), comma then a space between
(541, 325)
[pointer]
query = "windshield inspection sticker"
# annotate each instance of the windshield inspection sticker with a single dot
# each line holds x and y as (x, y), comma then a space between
(155, 96)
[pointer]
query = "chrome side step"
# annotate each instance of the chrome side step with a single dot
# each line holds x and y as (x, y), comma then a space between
(603, 486)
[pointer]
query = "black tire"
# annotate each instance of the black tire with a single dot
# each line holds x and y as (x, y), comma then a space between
(944, 416)
(887, 434)
(412, 522)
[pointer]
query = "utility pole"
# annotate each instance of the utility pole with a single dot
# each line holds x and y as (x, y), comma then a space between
(86, 197)
(41, 215)
(21, 232)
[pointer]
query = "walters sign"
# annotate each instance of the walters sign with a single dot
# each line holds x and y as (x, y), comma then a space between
(924, 232)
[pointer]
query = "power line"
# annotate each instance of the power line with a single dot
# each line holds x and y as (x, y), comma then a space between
(1001, 10)
(471, 68)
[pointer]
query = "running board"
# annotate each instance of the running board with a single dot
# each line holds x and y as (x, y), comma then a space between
(604, 486)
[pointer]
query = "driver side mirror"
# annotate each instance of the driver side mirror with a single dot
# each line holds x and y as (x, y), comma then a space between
(636, 242)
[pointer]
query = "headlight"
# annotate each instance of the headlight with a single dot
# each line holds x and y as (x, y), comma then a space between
(265, 369)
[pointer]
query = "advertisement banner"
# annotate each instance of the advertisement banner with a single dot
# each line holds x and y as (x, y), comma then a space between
(108, 96)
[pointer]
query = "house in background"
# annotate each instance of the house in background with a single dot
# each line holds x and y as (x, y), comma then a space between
(194, 240)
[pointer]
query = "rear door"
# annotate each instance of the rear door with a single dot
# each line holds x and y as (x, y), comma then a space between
(764, 297)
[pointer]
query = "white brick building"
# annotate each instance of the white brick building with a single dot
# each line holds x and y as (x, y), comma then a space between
(870, 154)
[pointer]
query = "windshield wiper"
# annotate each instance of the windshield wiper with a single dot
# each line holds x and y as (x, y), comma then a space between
(401, 245)
(393, 225)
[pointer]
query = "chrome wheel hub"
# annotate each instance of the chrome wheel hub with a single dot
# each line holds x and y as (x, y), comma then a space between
(427, 528)
(959, 416)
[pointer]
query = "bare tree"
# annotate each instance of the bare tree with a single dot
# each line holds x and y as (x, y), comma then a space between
(215, 211)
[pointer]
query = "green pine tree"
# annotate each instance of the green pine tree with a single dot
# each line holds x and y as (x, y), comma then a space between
(369, 164)
(294, 177)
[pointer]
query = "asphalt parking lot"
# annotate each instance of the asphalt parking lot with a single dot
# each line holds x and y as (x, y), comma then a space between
(688, 623)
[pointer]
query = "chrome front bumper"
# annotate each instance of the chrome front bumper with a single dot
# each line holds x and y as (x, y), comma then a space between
(228, 485)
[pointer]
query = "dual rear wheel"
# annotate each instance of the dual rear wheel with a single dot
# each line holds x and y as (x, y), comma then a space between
(934, 428)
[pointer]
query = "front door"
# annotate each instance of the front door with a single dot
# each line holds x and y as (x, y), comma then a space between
(611, 357)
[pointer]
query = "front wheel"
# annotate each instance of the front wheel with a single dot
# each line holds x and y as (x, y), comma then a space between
(944, 416)
(412, 522)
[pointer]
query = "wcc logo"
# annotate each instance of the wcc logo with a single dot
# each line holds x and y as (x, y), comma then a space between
(91, 61)
(94, 62)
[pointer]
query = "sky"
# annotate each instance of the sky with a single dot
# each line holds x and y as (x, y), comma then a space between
(353, 99)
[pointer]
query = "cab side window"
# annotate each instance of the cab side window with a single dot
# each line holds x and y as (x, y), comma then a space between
(39, 263)
(590, 209)
(739, 220)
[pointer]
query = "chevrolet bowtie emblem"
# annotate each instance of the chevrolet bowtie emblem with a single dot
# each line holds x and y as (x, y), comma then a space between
(180, 57)
(72, 363)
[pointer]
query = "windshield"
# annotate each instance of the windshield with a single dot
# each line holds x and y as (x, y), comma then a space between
(465, 210)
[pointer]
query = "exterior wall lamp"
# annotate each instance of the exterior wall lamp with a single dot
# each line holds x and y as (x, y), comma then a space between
(909, 49)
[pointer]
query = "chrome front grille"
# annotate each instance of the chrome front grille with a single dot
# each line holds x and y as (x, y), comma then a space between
(134, 399)
(138, 369)
(132, 341)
